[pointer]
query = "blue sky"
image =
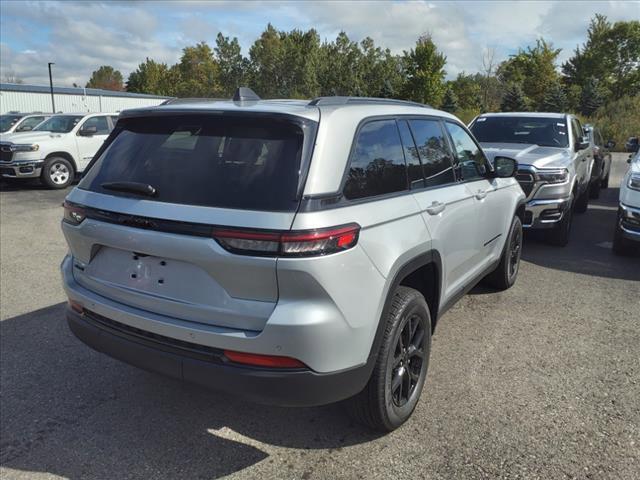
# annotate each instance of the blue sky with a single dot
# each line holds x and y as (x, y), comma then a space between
(80, 36)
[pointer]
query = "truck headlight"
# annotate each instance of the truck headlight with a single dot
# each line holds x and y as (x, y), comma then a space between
(25, 148)
(634, 182)
(553, 176)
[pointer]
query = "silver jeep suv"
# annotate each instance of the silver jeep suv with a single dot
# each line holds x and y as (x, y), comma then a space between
(292, 252)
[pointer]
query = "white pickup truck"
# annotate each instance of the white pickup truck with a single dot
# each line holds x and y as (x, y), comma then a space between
(57, 149)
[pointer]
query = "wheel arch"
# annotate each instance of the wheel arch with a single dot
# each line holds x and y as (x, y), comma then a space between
(66, 156)
(423, 273)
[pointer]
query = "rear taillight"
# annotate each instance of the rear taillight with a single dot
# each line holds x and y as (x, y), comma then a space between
(304, 243)
(270, 361)
(73, 214)
(76, 306)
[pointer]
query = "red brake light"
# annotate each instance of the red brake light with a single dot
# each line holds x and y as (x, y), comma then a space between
(273, 361)
(76, 306)
(73, 214)
(288, 244)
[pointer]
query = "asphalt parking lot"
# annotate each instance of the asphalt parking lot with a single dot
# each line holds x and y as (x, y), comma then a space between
(541, 381)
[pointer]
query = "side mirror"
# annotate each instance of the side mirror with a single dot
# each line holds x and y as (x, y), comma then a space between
(610, 144)
(88, 131)
(26, 128)
(582, 144)
(629, 159)
(504, 167)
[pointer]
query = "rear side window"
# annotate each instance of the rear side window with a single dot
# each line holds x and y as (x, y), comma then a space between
(377, 163)
(232, 162)
(433, 152)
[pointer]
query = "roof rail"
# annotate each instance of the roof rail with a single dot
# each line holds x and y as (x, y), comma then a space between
(342, 100)
(179, 101)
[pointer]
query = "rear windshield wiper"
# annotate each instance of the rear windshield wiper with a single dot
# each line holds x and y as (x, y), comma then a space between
(131, 187)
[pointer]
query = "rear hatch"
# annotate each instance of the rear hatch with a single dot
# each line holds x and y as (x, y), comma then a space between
(151, 199)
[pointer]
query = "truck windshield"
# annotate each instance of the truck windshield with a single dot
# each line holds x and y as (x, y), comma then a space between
(8, 121)
(546, 132)
(59, 124)
(238, 162)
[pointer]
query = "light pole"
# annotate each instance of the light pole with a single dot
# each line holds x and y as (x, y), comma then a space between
(53, 102)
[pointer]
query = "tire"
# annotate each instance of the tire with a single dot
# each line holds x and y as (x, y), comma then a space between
(391, 395)
(57, 173)
(505, 275)
(559, 236)
(582, 202)
(594, 189)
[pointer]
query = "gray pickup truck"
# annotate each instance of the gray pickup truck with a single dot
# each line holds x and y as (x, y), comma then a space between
(555, 160)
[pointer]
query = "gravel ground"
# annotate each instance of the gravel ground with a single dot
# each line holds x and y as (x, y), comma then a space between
(542, 381)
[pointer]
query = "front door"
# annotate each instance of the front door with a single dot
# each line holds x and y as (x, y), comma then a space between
(89, 145)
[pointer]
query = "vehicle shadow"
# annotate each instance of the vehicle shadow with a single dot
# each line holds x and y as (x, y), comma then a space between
(589, 250)
(13, 185)
(76, 413)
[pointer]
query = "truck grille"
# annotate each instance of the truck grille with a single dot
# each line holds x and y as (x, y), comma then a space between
(526, 180)
(6, 155)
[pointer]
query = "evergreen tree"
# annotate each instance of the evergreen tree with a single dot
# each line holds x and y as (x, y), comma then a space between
(233, 66)
(450, 101)
(514, 99)
(555, 100)
(424, 68)
(592, 97)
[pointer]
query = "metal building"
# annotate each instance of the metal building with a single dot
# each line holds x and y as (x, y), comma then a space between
(37, 98)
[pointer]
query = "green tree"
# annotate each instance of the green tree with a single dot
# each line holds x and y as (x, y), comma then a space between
(381, 72)
(468, 90)
(233, 67)
(450, 101)
(199, 73)
(534, 69)
(555, 100)
(107, 78)
(424, 70)
(514, 99)
(266, 63)
(153, 78)
(611, 54)
(592, 97)
(340, 72)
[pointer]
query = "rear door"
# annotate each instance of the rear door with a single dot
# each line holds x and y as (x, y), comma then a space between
(89, 145)
(157, 251)
(445, 204)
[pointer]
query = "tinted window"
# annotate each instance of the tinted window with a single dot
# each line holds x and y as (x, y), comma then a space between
(433, 152)
(237, 162)
(8, 121)
(100, 123)
(576, 133)
(543, 131)
(471, 161)
(59, 124)
(414, 167)
(377, 164)
(30, 123)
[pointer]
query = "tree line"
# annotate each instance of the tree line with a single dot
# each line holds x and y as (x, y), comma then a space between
(602, 72)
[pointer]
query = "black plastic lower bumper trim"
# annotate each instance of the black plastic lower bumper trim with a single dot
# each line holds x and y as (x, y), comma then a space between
(293, 388)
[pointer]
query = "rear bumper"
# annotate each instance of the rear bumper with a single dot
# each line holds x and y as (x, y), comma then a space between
(294, 387)
(540, 214)
(23, 169)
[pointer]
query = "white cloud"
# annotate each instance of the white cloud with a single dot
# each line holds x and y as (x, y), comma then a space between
(81, 36)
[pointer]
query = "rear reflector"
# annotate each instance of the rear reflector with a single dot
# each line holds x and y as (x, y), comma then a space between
(76, 306)
(305, 243)
(272, 361)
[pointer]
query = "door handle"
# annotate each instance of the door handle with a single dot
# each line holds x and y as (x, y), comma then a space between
(435, 208)
(481, 194)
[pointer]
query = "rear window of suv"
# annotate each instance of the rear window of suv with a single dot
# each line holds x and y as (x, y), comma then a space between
(215, 161)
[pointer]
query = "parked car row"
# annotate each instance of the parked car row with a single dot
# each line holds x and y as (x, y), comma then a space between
(302, 252)
(56, 149)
